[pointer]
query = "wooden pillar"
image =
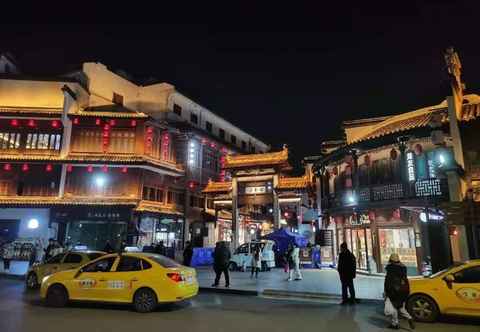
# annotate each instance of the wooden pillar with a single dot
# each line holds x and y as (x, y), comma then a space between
(276, 204)
(63, 178)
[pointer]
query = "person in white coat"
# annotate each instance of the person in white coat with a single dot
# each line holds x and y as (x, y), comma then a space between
(256, 262)
(295, 261)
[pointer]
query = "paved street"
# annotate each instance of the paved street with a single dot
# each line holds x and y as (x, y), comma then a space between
(323, 281)
(22, 311)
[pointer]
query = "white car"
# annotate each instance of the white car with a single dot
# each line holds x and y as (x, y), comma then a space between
(242, 257)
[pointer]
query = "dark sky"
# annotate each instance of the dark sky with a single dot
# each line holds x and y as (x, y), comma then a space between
(285, 74)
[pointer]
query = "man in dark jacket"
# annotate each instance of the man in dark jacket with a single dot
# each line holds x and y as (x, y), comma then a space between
(397, 290)
(221, 258)
(187, 254)
(347, 269)
(108, 248)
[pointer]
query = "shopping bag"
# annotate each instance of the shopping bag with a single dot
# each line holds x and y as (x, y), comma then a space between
(389, 308)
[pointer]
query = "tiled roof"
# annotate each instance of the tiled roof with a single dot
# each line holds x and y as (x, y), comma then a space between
(292, 183)
(157, 207)
(94, 158)
(217, 187)
(74, 200)
(44, 111)
(271, 158)
(419, 119)
(111, 111)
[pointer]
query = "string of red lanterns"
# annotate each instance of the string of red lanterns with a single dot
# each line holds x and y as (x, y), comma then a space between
(32, 123)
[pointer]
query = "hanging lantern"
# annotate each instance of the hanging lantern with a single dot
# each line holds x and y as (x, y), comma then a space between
(31, 123)
(90, 169)
(7, 167)
(113, 122)
(418, 149)
(106, 127)
(25, 167)
(367, 160)
(55, 123)
(14, 122)
(124, 170)
(104, 168)
(133, 123)
(393, 154)
(48, 168)
(69, 168)
(76, 121)
(98, 122)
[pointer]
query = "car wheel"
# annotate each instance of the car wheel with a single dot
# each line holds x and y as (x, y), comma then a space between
(422, 308)
(32, 280)
(57, 296)
(232, 266)
(144, 300)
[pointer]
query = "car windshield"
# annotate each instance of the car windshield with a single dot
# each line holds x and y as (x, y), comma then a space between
(164, 261)
(446, 270)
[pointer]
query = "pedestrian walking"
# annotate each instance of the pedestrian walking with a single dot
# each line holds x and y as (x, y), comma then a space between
(294, 264)
(256, 262)
(397, 290)
(221, 258)
(187, 254)
(347, 269)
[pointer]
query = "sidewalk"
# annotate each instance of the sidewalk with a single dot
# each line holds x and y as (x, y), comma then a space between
(323, 282)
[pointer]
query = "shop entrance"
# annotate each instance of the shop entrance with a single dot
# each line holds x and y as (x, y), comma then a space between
(8, 230)
(95, 234)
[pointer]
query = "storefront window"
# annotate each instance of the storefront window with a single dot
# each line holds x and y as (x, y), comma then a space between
(95, 234)
(400, 241)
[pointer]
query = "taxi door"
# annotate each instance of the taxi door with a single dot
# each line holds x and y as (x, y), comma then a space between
(91, 281)
(464, 292)
(125, 278)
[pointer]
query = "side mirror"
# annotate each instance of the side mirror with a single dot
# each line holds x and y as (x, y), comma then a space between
(449, 279)
(79, 272)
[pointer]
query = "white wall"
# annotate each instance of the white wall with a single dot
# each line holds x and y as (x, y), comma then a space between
(189, 106)
(24, 215)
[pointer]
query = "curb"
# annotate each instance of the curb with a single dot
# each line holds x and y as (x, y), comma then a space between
(12, 276)
(229, 291)
(310, 295)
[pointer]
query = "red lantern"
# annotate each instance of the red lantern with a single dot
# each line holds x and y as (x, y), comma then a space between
(90, 169)
(76, 121)
(213, 145)
(14, 122)
(418, 149)
(48, 168)
(191, 184)
(113, 122)
(124, 170)
(31, 123)
(69, 168)
(98, 122)
(149, 130)
(104, 168)
(133, 123)
(393, 154)
(7, 167)
(106, 127)
(55, 124)
(367, 160)
(25, 167)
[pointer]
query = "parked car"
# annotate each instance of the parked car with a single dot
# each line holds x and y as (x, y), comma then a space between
(453, 291)
(141, 279)
(242, 257)
(60, 262)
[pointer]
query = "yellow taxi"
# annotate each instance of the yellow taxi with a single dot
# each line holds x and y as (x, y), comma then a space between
(60, 262)
(453, 291)
(142, 279)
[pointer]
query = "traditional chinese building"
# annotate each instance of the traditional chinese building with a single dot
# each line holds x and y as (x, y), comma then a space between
(259, 199)
(92, 156)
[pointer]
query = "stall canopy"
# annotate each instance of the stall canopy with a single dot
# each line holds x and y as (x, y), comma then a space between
(283, 238)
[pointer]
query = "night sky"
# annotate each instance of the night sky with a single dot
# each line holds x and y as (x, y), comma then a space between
(284, 74)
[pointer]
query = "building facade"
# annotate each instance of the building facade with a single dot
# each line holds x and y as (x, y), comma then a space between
(92, 157)
(392, 185)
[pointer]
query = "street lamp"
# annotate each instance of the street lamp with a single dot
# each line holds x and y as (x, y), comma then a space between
(100, 181)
